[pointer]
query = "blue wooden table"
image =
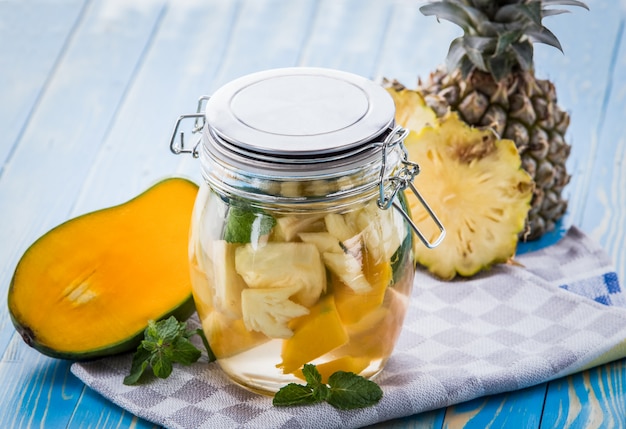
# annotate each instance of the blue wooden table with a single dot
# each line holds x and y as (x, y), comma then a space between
(90, 90)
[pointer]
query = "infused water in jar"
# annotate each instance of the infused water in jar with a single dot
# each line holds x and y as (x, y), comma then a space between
(301, 248)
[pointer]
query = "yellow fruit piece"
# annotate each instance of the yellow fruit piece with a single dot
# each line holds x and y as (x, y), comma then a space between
(88, 287)
(354, 364)
(412, 111)
(276, 265)
(314, 335)
(228, 337)
(288, 227)
(348, 269)
(228, 285)
(353, 306)
(268, 310)
(474, 182)
(375, 335)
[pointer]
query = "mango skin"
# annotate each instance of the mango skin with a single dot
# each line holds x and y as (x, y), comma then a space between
(136, 258)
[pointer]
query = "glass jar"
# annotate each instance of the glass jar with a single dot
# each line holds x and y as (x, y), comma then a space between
(301, 248)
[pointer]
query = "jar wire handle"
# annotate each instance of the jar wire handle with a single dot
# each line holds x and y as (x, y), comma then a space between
(391, 185)
(179, 147)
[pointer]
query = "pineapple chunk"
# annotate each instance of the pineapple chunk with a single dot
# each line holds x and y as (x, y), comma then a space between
(337, 226)
(228, 284)
(348, 269)
(288, 227)
(268, 310)
(380, 230)
(276, 265)
(324, 241)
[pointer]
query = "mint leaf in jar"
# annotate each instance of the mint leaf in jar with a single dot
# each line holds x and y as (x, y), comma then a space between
(243, 223)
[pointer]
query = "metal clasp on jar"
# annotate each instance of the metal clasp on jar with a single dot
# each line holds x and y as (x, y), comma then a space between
(390, 185)
(178, 148)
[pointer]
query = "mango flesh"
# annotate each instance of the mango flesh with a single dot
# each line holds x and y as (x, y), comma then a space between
(88, 287)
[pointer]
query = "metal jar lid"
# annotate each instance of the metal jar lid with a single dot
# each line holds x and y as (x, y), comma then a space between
(297, 114)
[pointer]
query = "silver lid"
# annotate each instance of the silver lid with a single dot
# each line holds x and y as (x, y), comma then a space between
(282, 115)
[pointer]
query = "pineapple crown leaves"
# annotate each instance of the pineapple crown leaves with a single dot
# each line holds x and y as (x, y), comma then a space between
(497, 35)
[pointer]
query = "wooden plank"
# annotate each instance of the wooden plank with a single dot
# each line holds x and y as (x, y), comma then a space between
(604, 215)
(68, 127)
(580, 76)
(267, 34)
(93, 410)
(520, 409)
(339, 40)
(36, 391)
(592, 399)
(32, 38)
(198, 46)
(414, 45)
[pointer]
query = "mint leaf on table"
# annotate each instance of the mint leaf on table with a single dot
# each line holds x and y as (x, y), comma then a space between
(294, 394)
(244, 222)
(348, 391)
(165, 342)
(345, 390)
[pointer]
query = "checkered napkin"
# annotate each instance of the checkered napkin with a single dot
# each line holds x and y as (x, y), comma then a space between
(559, 312)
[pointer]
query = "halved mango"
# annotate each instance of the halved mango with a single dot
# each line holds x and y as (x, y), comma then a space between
(88, 287)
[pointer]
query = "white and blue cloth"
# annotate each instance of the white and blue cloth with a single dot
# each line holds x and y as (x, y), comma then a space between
(557, 312)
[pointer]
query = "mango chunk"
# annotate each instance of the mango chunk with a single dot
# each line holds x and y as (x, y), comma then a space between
(353, 306)
(314, 335)
(375, 335)
(229, 337)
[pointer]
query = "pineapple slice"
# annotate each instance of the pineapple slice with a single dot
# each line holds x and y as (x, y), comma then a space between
(288, 227)
(276, 265)
(412, 112)
(324, 241)
(382, 230)
(268, 310)
(337, 226)
(348, 269)
(475, 184)
(227, 283)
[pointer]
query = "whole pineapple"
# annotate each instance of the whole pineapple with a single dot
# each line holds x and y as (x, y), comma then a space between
(490, 81)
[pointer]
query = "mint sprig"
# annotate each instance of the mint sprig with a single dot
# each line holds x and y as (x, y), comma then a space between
(244, 222)
(165, 342)
(345, 390)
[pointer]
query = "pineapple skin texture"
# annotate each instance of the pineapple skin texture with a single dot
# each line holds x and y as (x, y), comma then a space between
(521, 108)
(475, 184)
